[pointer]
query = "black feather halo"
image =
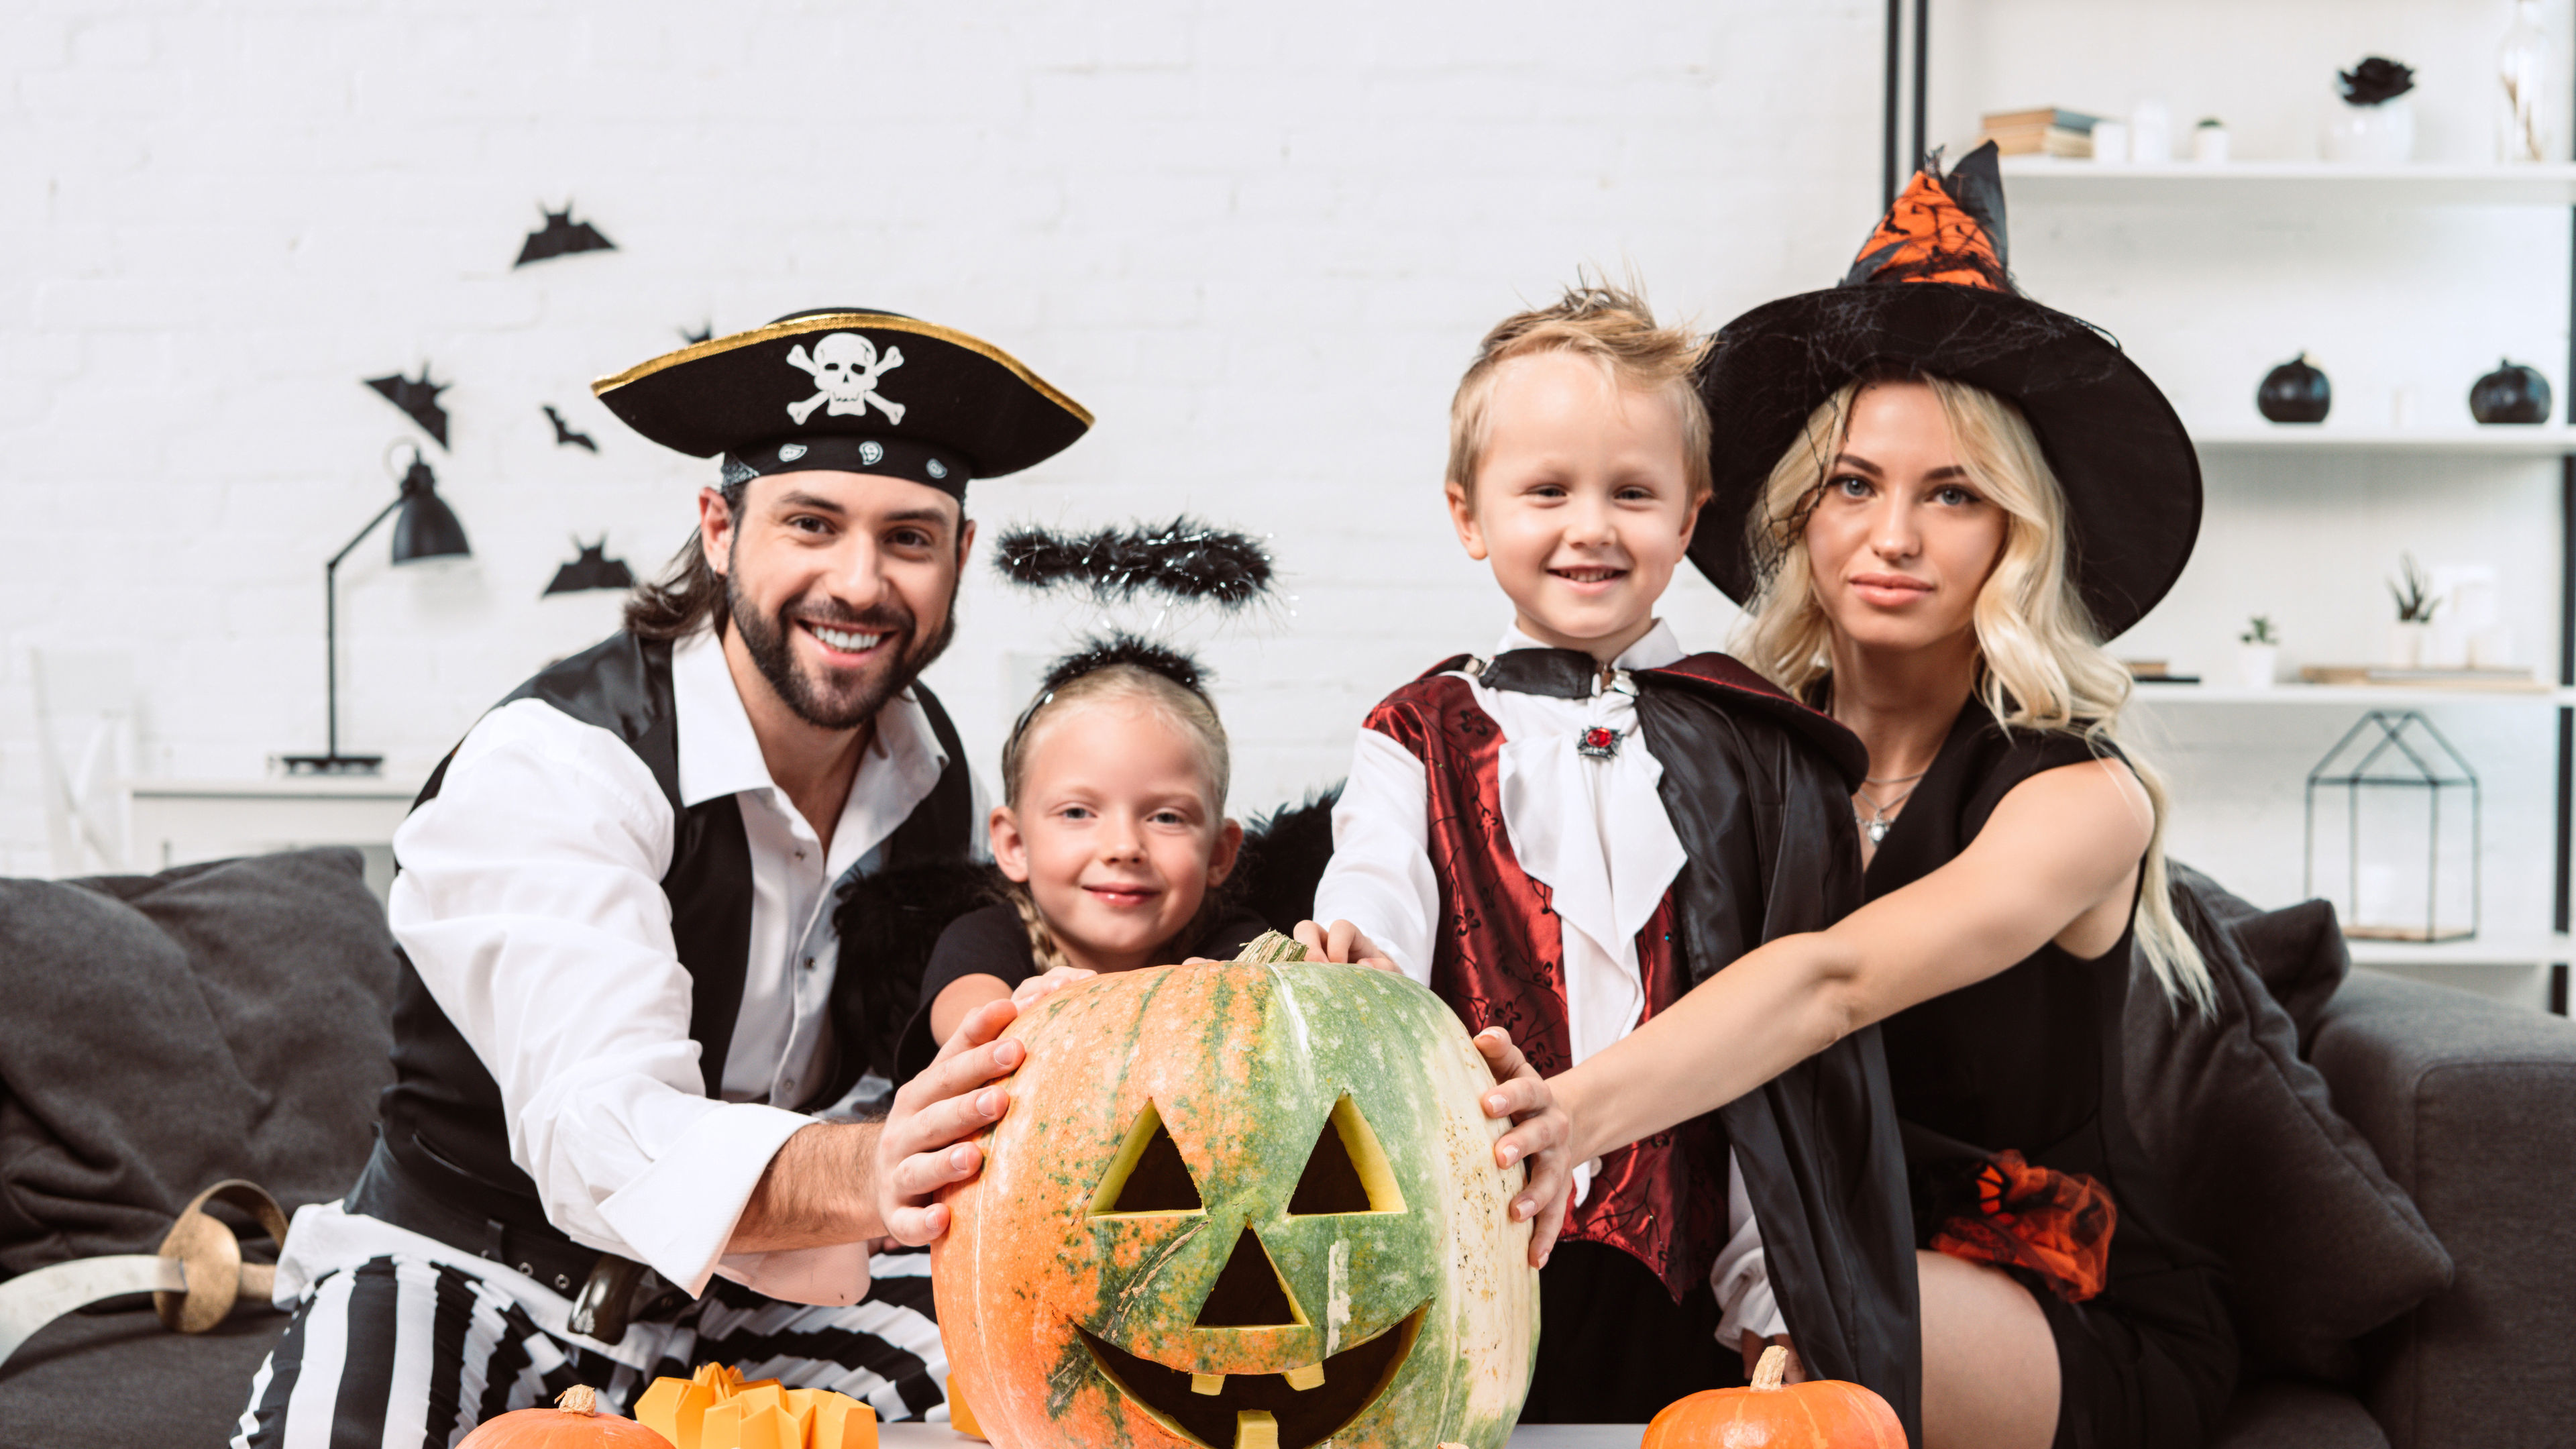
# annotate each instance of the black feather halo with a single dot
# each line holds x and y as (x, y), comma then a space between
(1115, 649)
(1185, 559)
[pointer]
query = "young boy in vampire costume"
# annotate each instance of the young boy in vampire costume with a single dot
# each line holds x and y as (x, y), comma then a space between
(600, 1160)
(1563, 838)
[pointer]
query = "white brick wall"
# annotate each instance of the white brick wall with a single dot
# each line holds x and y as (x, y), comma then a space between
(1257, 240)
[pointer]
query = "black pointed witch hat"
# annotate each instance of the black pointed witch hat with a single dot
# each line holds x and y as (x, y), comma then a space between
(1930, 294)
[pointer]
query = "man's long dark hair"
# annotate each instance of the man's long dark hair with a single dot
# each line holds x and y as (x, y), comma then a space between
(687, 595)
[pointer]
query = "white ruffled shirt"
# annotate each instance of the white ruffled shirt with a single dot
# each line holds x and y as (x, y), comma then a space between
(1594, 832)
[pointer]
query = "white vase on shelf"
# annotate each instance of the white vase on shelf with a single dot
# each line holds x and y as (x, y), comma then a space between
(2527, 71)
(2406, 643)
(2257, 665)
(2380, 135)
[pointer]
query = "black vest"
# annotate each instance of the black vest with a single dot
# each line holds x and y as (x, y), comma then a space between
(443, 1102)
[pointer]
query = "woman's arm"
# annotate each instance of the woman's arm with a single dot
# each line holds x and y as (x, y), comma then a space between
(2060, 845)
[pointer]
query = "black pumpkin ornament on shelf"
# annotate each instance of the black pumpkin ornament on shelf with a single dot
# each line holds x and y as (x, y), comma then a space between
(2513, 393)
(2295, 392)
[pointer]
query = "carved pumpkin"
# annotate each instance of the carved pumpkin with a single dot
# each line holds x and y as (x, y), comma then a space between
(575, 1422)
(1819, 1414)
(1242, 1205)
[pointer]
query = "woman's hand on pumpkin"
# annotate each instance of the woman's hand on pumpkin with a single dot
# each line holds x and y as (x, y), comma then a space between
(1038, 988)
(1341, 943)
(1538, 1136)
(923, 1146)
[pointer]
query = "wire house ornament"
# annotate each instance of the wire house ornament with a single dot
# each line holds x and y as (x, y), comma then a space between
(2396, 750)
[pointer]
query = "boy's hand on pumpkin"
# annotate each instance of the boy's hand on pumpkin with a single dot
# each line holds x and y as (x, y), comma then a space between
(924, 1145)
(1540, 1128)
(1038, 988)
(1341, 943)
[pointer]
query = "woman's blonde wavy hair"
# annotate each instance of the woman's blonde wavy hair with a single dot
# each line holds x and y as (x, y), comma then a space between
(2040, 664)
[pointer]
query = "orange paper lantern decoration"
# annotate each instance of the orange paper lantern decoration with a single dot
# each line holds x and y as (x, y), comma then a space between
(573, 1423)
(1823, 1414)
(714, 1409)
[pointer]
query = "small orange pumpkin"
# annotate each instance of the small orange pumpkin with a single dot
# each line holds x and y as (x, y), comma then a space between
(575, 1422)
(1820, 1414)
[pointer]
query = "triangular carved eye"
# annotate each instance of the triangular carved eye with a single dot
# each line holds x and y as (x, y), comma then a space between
(1347, 1172)
(1148, 1175)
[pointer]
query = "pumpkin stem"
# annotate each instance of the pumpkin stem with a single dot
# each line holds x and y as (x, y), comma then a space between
(1768, 1373)
(579, 1399)
(1267, 948)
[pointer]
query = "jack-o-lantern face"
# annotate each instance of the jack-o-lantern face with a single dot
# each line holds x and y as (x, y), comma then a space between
(1241, 1205)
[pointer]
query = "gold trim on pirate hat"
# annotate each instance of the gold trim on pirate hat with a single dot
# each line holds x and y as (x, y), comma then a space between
(1930, 294)
(851, 389)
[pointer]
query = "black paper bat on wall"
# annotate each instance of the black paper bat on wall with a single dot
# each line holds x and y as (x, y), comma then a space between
(418, 398)
(561, 236)
(593, 570)
(700, 333)
(565, 436)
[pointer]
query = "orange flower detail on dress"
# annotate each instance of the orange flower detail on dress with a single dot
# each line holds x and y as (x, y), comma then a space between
(2056, 1225)
(1927, 236)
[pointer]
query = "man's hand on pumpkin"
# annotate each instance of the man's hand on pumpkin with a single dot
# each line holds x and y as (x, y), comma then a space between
(1341, 943)
(1538, 1136)
(924, 1145)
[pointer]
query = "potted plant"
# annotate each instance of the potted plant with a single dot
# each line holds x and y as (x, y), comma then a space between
(2375, 125)
(2416, 602)
(2258, 654)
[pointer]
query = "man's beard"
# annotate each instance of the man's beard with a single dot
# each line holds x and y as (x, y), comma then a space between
(854, 697)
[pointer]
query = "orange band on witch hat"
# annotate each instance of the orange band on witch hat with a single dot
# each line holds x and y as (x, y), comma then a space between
(1941, 229)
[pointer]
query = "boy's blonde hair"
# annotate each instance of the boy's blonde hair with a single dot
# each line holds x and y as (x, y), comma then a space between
(1614, 328)
(2039, 667)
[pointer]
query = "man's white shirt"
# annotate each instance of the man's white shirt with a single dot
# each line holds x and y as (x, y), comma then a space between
(1594, 832)
(530, 902)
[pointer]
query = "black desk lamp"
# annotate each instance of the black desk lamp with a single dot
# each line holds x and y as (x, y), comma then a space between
(426, 529)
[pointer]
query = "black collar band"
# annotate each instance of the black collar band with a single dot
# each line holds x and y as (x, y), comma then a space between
(1559, 673)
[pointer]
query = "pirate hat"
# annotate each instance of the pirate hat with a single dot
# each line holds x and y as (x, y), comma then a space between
(849, 389)
(1930, 294)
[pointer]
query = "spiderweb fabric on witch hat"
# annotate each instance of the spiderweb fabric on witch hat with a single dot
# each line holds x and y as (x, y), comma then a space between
(1931, 293)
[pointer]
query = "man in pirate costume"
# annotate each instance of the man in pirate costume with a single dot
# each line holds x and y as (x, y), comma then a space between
(1562, 838)
(625, 1001)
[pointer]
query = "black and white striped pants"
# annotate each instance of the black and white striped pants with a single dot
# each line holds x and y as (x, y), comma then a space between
(402, 1352)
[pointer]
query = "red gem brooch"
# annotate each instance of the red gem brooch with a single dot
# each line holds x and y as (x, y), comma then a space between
(1599, 742)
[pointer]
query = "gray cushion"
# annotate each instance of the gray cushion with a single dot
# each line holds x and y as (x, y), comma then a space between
(118, 1380)
(2320, 1245)
(2290, 1414)
(168, 1031)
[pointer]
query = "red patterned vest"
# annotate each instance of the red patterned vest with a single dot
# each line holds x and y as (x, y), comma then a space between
(1498, 960)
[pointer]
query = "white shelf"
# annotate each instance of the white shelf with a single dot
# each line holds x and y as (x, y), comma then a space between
(2516, 950)
(2515, 440)
(2353, 696)
(2286, 184)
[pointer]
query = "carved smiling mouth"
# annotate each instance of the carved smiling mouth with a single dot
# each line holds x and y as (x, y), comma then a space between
(1292, 1410)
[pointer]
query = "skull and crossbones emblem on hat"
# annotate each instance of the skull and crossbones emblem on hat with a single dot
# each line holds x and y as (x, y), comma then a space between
(846, 367)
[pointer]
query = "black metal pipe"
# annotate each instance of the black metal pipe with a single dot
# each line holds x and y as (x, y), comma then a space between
(1887, 123)
(1922, 80)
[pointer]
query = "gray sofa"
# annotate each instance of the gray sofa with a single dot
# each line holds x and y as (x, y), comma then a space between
(2469, 1105)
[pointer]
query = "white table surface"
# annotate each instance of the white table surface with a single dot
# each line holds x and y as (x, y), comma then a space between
(1529, 1436)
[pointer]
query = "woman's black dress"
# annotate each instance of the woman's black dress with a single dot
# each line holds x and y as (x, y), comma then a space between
(2030, 1060)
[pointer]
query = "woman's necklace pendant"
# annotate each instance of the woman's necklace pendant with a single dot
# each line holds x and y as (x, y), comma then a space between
(1878, 830)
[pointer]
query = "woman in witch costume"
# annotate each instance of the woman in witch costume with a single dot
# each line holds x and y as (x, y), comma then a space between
(1936, 498)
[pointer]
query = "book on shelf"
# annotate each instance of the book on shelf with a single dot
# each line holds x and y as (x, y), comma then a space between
(2505, 677)
(2042, 117)
(2045, 131)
